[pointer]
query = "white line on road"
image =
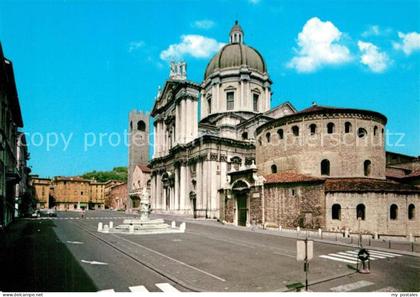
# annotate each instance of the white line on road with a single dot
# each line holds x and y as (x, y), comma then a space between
(345, 256)
(106, 291)
(94, 262)
(384, 253)
(138, 289)
(338, 259)
(351, 286)
(74, 242)
(175, 260)
(355, 254)
(167, 288)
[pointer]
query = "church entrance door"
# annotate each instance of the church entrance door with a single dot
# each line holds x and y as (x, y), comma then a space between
(242, 209)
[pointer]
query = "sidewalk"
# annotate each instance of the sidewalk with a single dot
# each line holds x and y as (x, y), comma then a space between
(381, 245)
(33, 259)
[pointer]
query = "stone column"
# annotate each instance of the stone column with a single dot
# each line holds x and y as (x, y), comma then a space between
(206, 186)
(154, 142)
(182, 188)
(195, 110)
(199, 194)
(158, 191)
(176, 205)
(182, 119)
(152, 191)
(177, 123)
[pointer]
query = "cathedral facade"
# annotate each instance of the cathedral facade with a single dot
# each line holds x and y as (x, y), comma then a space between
(221, 151)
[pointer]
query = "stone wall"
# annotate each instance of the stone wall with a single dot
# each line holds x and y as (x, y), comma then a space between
(346, 152)
(377, 215)
(292, 205)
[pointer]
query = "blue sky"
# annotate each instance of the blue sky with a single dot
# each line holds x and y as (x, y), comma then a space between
(81, 66)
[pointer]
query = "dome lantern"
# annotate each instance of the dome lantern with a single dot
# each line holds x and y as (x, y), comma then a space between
(236, 34)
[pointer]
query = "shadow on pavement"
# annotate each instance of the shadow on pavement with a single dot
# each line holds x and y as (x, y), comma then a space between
(33, 259)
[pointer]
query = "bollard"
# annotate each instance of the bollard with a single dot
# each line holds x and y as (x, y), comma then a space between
(106, 228)
(298, 229)
(376, 237)
(280, 228)
(320, 232)
(182, 227)
(131, 229)
(411, 237)
(173, 225)
(111, 225)
(346, 233)
(99, 227)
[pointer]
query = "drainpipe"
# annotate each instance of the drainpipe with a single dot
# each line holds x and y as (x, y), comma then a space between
(262, 205)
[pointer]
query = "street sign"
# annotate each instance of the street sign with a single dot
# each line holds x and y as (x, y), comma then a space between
(304, 251)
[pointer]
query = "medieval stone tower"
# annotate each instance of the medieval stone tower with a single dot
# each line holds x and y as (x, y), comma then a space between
(138, 145)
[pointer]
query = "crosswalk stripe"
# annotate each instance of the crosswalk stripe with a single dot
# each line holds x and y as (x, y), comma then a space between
(345, 256)
(138, 289)
(384, 253)
(351, 286)
(107, 291)
(371, 257)
(166, 288)
(338, 259)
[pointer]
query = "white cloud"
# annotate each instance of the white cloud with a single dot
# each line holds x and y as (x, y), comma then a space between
(318, 46)
(197, 46)
(203, 24)
(372, 57)
(410, 42)
(372, 31)
(135, 45)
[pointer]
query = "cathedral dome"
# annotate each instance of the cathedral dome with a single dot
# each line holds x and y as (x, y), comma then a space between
(236, 54)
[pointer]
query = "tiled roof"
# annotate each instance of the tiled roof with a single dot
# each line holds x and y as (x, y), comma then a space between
(144, 168)
(289, 177)
(367, 185)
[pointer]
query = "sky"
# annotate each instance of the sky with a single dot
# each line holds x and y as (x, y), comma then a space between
(81, 66)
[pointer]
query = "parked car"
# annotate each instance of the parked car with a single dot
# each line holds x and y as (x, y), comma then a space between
(36, 214)
(48, 213)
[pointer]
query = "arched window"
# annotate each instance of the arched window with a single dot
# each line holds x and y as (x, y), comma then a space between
(131, 125)
(375, 130)
(273, 168)
(361, 211)
(209, 104)
(325, 167)
(361, 132)
(330, 128)
(411, 212)
(393, 212)
(245, 135)
(312, 129)
(141, 126)
(295, 130)
(367, 167)
(230, 100)
(255, 103)
(347, 127)
(336, 212)
(268, 136)
(280, 133)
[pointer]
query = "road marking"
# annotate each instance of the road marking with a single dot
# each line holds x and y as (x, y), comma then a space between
(106, 291)
(175, 260)
(351, 286)
(138, 289)
(345, 256)
(167, 288)
(74, 242)
(338, 259)
(371, 257)
(386, 254)
(94, 262)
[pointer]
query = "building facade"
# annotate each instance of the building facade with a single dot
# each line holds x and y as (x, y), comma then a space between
(221, 151)
(13, 155)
